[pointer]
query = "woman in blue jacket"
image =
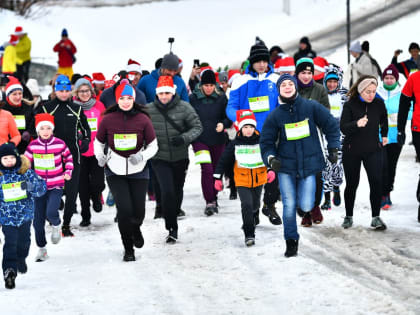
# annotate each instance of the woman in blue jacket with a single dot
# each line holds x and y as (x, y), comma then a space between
(290, 146)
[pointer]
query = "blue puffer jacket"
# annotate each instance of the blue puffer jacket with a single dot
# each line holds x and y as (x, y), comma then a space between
(252, 85)
(149, 82)
(15, 213)
(301, 157)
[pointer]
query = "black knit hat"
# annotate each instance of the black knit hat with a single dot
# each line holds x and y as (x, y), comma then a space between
(208, 77)
(304, 40)
(258, 52)
(9, 149)
(304, 64)
(170, 62)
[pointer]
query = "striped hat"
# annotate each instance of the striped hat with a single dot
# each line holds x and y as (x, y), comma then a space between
(124, 89)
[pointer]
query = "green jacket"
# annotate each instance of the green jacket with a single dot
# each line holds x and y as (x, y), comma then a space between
(316, 93)
(185, 117)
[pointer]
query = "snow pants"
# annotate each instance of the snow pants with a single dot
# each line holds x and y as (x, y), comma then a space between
(17, 240)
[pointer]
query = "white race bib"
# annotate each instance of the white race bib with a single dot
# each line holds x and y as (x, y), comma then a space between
(259, 104)
(93, 124)
(249, 156)
(20, 122)
(392, 120)
(336, 111)
(298, 130)
(13, 192)
(44, 161)
(125, 142)
(202, 157)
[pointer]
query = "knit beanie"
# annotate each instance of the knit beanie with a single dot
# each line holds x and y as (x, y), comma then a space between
(391, 70)
(284, 77)
(356, 47)
(208, 77)
(223, 76)
(44, 119)
(245, 117)
(62, 83)
(304, 64)
(304, 40)
(64, 32)
(124, 89)
(170, 62)
(258, 52)
(9, 148)
(82, 81)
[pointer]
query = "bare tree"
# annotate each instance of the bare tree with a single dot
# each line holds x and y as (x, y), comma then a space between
(21, 7)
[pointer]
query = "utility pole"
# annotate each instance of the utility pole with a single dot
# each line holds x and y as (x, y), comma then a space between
(286, 6)
(348, 32)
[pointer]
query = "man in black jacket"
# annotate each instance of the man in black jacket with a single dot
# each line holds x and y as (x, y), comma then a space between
(71, 125)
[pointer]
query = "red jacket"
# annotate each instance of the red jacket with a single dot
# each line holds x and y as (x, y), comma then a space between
(66, 50)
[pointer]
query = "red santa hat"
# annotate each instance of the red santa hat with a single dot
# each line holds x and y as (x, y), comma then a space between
(245, 117)
(181, 64)
(98, 78)
(285, 65)
(13, 40)
(108, 83)
(319, 64)
(133, 66)
(13, 85)
(124, 89)
(165, 84)
(44, 119)
(19, 31)
(232, 74)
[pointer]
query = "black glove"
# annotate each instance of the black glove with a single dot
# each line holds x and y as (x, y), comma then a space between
(177, 141)
(333, 155)
(84, 146)
(401, 138)
(275, 164)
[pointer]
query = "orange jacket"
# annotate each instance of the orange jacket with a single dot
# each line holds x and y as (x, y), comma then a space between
(8, 129)
(249, 177)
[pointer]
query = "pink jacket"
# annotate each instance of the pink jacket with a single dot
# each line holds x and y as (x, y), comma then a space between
(94, 117)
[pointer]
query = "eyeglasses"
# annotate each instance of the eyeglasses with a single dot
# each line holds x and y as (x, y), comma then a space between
(83, 91)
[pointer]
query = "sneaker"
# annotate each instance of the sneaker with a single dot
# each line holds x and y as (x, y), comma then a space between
(129, 256)
(181, 213)
(66, 232)
(271, 213)
(110, 200)
(9, 278)
(84, 223)
(158, 212)
(256, 218)
(22, 267)
(96, 204)
(348, 222)
(138, 239)
(378, 224)
(383, 202)
(316, 214)
(249, 241)
(55, 234)
(172, 237)
(326, 205)
(210, 209)
(307, 220)
(291, 248)
(42, 255)
(337, 197)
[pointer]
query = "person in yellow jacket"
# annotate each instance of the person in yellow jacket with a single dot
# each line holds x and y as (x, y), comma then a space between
(9, 57)
(23, 54)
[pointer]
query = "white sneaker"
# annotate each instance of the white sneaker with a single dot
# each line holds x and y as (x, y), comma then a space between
(56, 234)
(42, 255)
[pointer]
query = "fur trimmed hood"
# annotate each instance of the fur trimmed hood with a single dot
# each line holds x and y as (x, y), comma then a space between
(25, 166)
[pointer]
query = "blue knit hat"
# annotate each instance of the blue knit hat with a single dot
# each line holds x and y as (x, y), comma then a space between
(64, 32)
(330, 76)
(62, 83)
(284, 77)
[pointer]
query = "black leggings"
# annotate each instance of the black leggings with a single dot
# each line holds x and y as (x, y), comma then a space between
(372, 162)
(71, 188)
(130, 199)
(391, 155)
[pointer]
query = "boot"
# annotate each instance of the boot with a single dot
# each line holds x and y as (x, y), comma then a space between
(307, 220)
(97, 204)
(84, 223)
(210, 209)
(22, 267)
(300, 212)
(110, 200)
(271, 213)
(138, 239)
(316, 214)
(172, 237)
(9, 279)
(327, 203)
(129, 255)
(337, 197)
(291, 248)
(66, 232)
(181, 214)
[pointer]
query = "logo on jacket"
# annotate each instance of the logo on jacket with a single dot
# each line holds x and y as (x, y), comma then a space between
(271, 86)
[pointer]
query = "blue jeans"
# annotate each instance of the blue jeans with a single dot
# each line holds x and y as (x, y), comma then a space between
(17, 240)
(295, 192)
(46, 207)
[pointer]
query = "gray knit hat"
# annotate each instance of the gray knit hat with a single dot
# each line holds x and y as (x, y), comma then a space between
(170, 62)
(82, 81)
(356, 47)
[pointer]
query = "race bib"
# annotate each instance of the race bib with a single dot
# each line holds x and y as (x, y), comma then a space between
(259, 104)
(44, 161)
(93, 124)
(125, 142)
(298, 130)
(392, 120)
(249, 156)
(202, 157)
(335, 111)
(13, 192)
(20, 122)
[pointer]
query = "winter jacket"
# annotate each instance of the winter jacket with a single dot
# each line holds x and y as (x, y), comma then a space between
(254, 91)
(408, 66)
(363, 140)
(94, 117)
(70, 123)
(66, 51)
(302, 53)
(108, 96)
(47, 158)
(211, 110)
(299, 153)
(316, 92)
(185, 117)
(17, 203)
(23, 49)
(244, 153)
(125, 133)
(9, 60)
(149, 82)
(362, 66)
(25, 121)
(8, 128)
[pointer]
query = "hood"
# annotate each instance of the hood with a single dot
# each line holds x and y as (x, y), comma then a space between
(25, 166)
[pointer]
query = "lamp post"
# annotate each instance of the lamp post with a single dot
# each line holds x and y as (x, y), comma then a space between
(348, 31)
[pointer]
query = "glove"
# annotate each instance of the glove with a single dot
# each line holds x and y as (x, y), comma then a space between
(218, 185)
(271, 176)
(102, 160)
(84, 146)
(135, 158)
(333, 155)
(274, 163)
(401, 138)
(26, 136)
(28, 186)
(177, 141)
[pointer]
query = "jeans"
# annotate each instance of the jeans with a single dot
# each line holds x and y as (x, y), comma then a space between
(17, 240)
(46, 207)
(295, 192)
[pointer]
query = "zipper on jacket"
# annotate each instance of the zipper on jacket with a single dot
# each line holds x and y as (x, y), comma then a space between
(169, 140)
(252, 178)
